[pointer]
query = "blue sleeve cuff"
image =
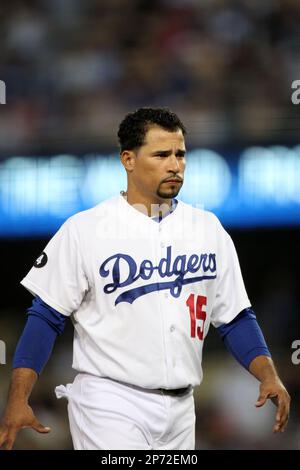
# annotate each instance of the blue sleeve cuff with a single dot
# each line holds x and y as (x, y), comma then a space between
(54, 318)
(243, 338)
(37, 340)
(35, 344)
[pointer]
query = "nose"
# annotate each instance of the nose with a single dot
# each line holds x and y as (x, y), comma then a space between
(174, 165)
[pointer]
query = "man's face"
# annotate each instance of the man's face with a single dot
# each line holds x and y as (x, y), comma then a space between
(159, 164)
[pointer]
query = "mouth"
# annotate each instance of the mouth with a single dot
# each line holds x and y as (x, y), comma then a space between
(173, 181)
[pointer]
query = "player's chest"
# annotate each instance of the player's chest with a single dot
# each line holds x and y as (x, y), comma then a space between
(149, 265)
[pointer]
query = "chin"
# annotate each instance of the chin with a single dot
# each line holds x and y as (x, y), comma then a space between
(169, 195)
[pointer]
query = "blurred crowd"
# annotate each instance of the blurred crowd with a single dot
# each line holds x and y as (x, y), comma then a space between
(73, 68)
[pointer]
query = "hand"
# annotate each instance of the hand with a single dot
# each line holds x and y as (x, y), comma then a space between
(275, 390)
(18, 417)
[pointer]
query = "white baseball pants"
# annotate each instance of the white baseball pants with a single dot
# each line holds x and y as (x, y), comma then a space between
(106, 415)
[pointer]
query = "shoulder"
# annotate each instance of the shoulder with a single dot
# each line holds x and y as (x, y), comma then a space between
(84, 220)
(205, 217)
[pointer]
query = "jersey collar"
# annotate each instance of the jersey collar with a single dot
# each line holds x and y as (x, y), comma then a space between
(173, 209)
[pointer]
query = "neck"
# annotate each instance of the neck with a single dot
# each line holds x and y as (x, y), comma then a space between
(152, 206)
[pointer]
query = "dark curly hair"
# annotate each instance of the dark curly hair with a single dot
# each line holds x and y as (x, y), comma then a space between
(135, 125)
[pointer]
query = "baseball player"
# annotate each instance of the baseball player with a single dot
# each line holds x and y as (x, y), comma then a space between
(141, 275)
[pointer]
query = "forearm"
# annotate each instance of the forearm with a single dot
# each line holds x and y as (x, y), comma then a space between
(37, 340)
(262, 367)
(243, 338)
(22, 383)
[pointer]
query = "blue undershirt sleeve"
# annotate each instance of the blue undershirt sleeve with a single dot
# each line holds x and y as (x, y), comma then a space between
(35, 345)
(243, 338)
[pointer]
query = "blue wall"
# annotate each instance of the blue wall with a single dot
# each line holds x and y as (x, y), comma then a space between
(250, 187)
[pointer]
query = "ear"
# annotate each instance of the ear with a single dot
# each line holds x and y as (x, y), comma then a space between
(128, 158)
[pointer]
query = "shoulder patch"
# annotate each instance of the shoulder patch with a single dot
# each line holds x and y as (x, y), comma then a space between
(41, 260)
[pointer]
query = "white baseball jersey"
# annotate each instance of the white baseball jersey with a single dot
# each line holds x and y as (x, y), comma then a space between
(141, 294)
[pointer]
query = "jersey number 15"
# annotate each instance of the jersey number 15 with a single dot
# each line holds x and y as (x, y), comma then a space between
(200, 314)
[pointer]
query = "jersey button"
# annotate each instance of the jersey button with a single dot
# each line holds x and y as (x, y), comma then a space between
(162, 244)
(172, 328)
